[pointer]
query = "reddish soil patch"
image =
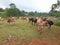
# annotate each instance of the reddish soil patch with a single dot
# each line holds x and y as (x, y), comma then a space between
(44, 41)
(32, 41)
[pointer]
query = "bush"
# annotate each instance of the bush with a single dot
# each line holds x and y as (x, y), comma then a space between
(57, 23)
(3, 14)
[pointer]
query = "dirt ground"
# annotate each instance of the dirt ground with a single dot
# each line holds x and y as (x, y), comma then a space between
(32, 41)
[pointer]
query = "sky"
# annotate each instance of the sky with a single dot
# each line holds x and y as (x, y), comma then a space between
(29, 5)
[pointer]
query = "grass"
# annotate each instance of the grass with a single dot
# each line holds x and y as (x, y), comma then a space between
(20, 29)
(23, 29)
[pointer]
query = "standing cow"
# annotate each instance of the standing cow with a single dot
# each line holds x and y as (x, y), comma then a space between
(33, 20)
(11, 19)
(41, 22)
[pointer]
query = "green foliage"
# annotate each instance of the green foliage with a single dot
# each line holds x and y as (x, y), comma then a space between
(31, 13)
(57, 23)
(12, 5)
(57, 14)
(13, 12)
(1, 9)
(23, 13)
(3, 14)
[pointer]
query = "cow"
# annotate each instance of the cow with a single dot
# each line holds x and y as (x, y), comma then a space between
(42, 21)
(11, 19)
(32, 20)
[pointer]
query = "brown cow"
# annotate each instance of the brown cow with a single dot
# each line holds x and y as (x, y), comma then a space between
(11, 19)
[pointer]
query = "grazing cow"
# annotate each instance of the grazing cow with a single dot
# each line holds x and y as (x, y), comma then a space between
(33, 20)
(49, 23)
(12, 19)
(41, 22)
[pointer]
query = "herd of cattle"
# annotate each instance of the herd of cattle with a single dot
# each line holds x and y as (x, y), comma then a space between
(40, 22)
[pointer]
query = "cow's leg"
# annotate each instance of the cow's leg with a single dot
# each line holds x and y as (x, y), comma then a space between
(13, 22)
(34, 23)
(39, 28)
(49, 27)
(8, 22)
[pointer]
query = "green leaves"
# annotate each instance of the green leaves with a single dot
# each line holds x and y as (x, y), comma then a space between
(57, 23)
(13, 12)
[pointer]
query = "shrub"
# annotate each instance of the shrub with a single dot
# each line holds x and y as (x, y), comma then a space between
(57, 23)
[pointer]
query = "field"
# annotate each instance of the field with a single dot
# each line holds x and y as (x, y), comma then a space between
(23, 33)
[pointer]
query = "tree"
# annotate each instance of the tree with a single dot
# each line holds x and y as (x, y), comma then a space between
(1, 9)
(31, 14)
(57, 14)
(13, 12)
(55, 6)
(24, 13)
(53, 10)
(58, 3)
(12, 5)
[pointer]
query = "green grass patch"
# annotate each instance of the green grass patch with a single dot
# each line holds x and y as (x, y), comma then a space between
(23, 29)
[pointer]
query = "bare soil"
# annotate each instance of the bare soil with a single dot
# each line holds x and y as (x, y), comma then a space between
(32, 41)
